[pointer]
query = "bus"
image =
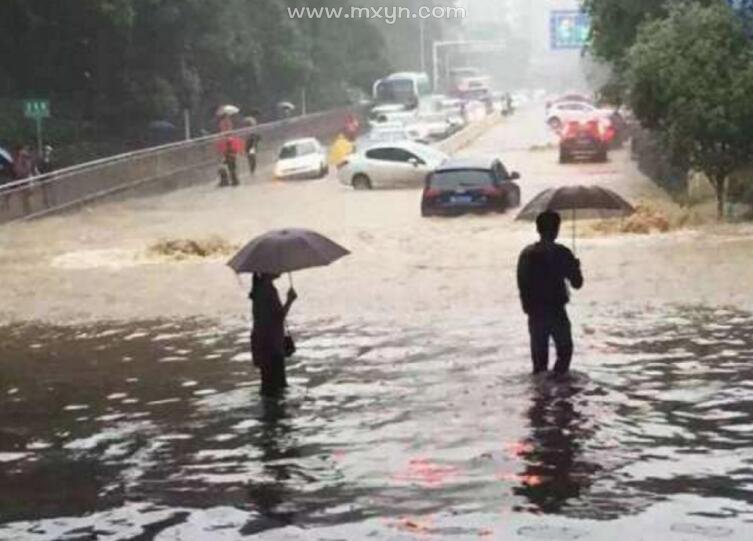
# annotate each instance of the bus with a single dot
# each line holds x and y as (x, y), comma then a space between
(404, 88)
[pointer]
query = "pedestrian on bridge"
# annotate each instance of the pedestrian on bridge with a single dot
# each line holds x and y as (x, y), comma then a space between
(252, 143)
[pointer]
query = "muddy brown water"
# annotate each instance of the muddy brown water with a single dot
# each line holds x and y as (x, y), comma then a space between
(154, 430)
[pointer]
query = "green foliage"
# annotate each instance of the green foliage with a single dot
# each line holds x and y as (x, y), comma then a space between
(690, 77)
(615, 23)
(110, 67)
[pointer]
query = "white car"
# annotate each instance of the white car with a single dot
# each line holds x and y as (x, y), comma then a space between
(390, 165)
(388, 132)
(301, 158)
(390, 114)
(433, 126)
(561, 113)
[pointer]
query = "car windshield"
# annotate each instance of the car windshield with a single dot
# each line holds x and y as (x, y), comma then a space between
(297, 150)
(461, 178)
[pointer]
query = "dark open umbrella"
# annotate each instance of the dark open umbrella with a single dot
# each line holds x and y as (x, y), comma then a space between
(588, 201)
(286, 250)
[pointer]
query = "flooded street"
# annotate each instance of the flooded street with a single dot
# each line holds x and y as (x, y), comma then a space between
(125, 432)
(129, 406)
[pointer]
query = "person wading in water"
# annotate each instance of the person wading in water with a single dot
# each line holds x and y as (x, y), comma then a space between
(268, 332)
(543, 268)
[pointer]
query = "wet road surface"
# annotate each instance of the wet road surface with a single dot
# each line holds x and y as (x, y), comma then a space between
(155, 430)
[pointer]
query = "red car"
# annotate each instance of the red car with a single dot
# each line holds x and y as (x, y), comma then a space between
(586, 140)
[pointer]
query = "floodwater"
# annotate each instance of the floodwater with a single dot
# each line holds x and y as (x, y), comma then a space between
(129, 407)
(154, 430)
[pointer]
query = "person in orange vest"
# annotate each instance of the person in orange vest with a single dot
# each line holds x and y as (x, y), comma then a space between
(229, 148)
(351, 126)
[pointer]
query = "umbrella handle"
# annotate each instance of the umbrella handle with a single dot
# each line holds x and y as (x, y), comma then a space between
(238, 278)
(573, 230)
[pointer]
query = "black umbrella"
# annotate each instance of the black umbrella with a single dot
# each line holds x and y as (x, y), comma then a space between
(591, 201)
(286, 250)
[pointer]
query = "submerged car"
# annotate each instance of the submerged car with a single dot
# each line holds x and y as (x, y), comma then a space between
(585, 140)
(390, 165)
(470, 185)
(301, 159)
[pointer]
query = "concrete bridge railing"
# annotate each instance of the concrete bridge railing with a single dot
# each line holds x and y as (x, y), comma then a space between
(155, 169)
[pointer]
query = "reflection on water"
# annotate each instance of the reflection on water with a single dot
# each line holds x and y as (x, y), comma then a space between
(156, 431)
(555, 471)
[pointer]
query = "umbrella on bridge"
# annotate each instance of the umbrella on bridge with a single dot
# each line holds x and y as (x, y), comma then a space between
(227, 110)
(5, 155)
(286, 250)
(589, 201)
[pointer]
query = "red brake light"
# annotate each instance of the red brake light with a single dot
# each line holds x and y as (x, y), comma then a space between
(432, 192)
(594, 129)
(571, 130)
(491, 191)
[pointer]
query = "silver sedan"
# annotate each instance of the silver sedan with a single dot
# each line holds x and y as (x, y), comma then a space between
(390, 165)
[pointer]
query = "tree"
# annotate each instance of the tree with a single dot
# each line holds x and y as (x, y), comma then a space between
(690, 77)
(615, 23)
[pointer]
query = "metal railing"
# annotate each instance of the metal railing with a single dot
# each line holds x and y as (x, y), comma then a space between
(160, 168)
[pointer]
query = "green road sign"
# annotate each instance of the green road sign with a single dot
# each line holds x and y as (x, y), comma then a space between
(37, 108)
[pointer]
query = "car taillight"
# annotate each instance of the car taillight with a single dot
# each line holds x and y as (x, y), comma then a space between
(431, 193)
(491, 191)
(594, 129)
(571, 130)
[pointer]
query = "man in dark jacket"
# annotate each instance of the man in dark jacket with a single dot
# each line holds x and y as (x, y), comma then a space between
(543, 268)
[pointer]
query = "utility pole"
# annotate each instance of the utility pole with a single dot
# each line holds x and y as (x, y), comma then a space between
(422, 39)
(187, 123)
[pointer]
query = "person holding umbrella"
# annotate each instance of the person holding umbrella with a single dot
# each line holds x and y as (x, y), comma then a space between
(543, 269)
(267, 257)
(268, 332)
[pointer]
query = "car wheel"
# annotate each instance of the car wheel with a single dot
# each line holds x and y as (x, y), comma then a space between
(555, 123)
(564, 158)
(602, 157)
(361, 182)
(425, 212)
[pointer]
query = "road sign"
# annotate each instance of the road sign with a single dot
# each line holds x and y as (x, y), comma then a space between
(569, 29)
(37, 109)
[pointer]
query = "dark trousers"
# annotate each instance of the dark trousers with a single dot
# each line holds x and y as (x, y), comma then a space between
(252, 163)
(232, 168)
(273, 378)
(544, 324)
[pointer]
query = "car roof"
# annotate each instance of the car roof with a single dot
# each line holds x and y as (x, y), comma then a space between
(469, 162)
(407, 145)
(388, 108)
(388, 126)
(571, 102)
(296, 142)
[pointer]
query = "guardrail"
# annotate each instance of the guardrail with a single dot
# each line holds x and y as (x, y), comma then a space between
(154, 169)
